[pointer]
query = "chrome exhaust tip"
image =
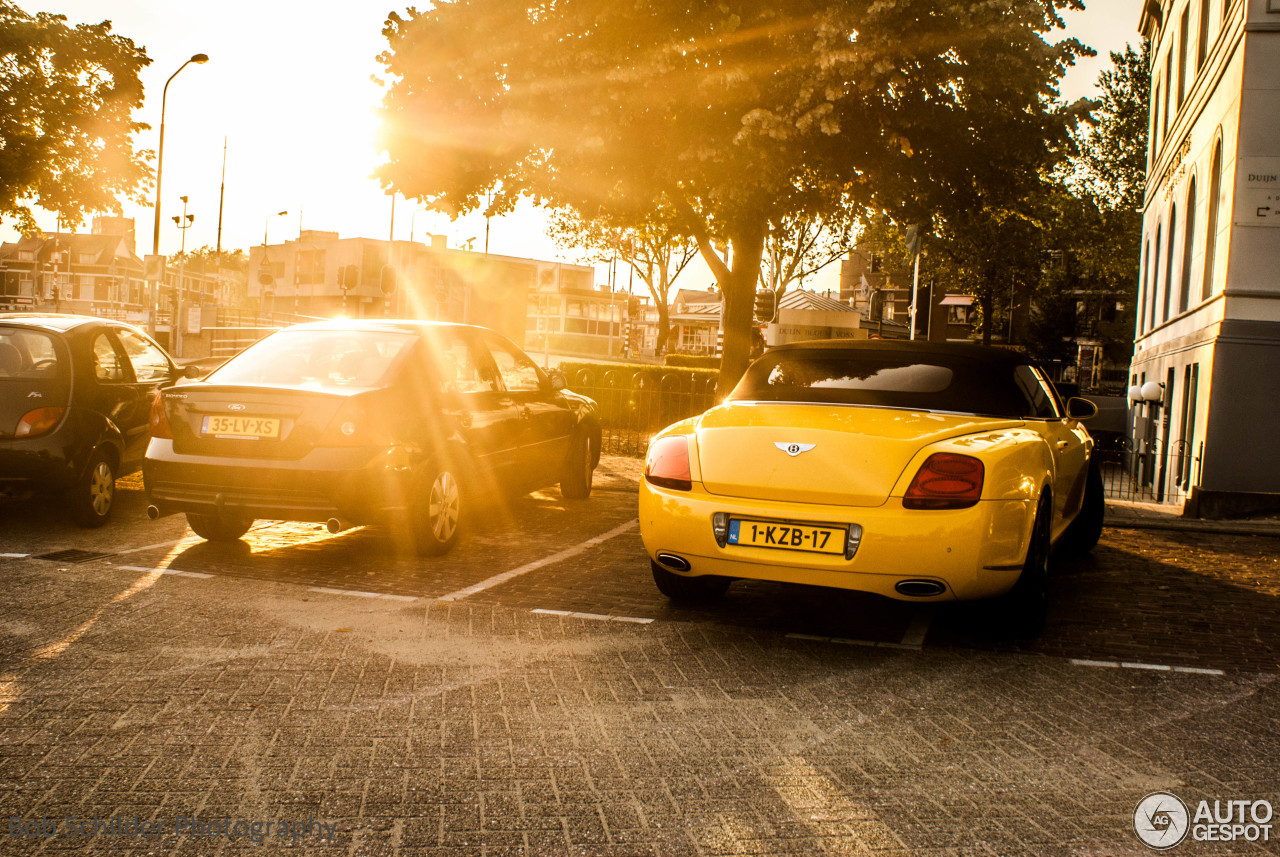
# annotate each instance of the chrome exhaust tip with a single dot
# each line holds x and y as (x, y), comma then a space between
(336, 525)
(153, 512)
(919, 588)
(673, 562)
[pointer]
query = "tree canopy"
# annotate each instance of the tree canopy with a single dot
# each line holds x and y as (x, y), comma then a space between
(734, 115)
(66, 130)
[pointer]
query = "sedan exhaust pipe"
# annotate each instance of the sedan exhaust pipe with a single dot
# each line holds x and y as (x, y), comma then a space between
(154, 512)
(336, 525)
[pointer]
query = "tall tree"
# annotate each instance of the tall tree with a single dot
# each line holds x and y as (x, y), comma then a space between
(1111, 166)
(654, 249)
(66, 128)
(735, 115)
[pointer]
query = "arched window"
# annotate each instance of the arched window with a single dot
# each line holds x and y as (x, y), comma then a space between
(1155, 279)
(1168, 263)
(1188, 247)
(1211, 230)
(1145, 287)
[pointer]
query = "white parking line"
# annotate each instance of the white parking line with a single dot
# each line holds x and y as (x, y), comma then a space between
(596, 617)
(1129, 665)
(355, 593)
(174, 571)
(568, 553)
(14, 555)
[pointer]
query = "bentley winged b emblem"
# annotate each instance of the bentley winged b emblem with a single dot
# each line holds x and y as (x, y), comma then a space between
(794, 449)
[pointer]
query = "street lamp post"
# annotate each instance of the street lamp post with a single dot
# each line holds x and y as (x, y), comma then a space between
(155, 235)
(184, 223)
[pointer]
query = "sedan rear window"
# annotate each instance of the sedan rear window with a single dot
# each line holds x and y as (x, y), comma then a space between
(885, 379)
(317, 359)
(27, 355)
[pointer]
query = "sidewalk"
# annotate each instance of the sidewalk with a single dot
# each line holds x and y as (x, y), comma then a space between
(1153, 516)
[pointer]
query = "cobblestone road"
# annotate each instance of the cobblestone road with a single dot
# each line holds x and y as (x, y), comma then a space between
(448, 707)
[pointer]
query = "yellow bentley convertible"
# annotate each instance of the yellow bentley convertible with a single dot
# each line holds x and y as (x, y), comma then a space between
(919, 472)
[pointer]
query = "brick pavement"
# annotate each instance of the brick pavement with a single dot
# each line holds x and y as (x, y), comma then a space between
(480, 727)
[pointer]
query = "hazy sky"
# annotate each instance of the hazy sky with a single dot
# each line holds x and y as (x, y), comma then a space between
(288, 84)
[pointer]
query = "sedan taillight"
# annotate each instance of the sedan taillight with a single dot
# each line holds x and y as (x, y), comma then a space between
(946, 481)
(667, 464)
(158, 422)
(38, 422)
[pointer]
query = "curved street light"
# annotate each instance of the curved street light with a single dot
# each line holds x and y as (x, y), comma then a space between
(155, 235)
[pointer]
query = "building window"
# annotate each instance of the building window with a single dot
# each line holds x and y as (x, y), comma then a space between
(1188, 247)
(1202, 42)
(1155, 124)
(26, 256)
(1146, 286)
(310, 266)
(1211, 230)
(1168, 265)
(1184, 48)
(1168, 90)
(1155, 279)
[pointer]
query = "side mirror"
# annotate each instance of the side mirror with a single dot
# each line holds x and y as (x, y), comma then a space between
(1081, 409)
(558, 381)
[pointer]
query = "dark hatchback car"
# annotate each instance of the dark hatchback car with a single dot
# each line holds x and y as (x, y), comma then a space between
(366, 422)
(75, 395)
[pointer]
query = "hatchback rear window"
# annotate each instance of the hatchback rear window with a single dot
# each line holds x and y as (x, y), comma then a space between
(28, 355)
(885, 379)
(317, 359)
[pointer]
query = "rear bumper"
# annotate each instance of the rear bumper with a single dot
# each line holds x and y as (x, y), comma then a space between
(974, 553)
(327, 483)
(36, 465)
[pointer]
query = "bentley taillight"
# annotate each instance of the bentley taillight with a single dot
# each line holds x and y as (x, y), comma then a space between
(158, 422)
(946, 481)
(38, 422)
(667, 464)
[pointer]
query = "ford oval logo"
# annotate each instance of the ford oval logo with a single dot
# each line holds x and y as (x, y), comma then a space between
(235, 407)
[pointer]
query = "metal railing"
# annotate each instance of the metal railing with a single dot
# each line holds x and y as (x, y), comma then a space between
(634, 405)
(1151, 475)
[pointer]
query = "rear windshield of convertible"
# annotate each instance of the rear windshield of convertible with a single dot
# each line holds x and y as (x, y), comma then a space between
(887, 379)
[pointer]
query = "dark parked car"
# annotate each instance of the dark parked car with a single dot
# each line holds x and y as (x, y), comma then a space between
(75, 395)
(357, 422)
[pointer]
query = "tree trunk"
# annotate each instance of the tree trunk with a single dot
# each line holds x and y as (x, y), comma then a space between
(739, 293)
(664, 330)
(986, 303)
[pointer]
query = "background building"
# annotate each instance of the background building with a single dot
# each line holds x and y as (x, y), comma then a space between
(1208, 326)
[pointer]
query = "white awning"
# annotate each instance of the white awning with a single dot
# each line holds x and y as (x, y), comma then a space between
(957, 300)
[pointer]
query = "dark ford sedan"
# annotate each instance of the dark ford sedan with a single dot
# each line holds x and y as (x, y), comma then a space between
(356, 422)
(75, 395)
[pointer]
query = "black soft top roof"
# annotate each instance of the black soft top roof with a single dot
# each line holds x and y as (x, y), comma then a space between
(969, 351)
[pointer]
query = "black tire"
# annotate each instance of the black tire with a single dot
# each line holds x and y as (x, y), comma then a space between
(579, 468)
(219, 527)
(437, 516)
(92, 498)
(1083, 534)
(691, 590)
(1026, 606)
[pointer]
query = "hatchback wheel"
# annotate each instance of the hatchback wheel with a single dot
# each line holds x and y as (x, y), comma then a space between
(92, 498)
(219, 527)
